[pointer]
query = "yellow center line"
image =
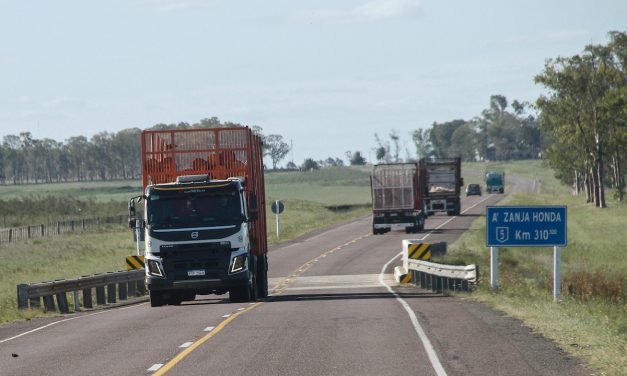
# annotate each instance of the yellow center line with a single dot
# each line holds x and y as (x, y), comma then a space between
(168, 366)
(277, 290)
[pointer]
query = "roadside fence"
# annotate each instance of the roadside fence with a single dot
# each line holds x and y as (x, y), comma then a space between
(109, 288)
(16, 234)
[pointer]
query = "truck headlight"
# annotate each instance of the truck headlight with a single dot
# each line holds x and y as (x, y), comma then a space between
(238, 263)
(154, 268)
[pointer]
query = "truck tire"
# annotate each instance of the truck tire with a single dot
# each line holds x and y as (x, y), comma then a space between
(175, 299)
(156, 298)
(240, 294)
(262, 277)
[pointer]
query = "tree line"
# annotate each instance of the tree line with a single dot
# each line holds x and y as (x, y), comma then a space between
(579, 126)
(105, 156)
(584, 116)
(501, 132)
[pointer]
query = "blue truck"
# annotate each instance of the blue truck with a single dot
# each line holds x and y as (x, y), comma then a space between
(495, 181)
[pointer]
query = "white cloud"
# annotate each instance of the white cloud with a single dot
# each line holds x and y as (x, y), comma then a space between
(173, 5)
(370, 11)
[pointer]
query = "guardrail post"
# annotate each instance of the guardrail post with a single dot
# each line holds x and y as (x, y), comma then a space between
(132, 288)
(141, 288)
(122, 289)
(22, 296)
(111, 293)
(49, 303)
(100, 295)
(77, 303)
(87, 303)
(34, 302)
(62, 303)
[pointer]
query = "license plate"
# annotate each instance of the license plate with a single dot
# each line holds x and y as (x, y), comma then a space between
(195, 273)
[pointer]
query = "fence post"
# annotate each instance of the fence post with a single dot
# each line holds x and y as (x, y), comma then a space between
(28, 231)
(72, 225)
(42, 231)
(58, 228)
(83, 224)
(10, 235)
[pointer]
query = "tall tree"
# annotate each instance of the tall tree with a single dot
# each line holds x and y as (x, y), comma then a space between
(277, 149)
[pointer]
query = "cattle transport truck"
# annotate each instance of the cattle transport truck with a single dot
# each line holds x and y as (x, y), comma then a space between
(204, 220)
(397, 201)
(495, 181)
(443, 183)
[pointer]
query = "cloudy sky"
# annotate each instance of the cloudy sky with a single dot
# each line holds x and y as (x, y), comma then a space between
(327, 75)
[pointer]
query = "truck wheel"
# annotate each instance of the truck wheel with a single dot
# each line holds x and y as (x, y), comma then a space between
(156, 298)
(262, 277)
(240, 294)
(175, 299)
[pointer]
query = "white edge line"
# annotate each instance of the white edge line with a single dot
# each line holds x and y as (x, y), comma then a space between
(433, 356)
(64, 320)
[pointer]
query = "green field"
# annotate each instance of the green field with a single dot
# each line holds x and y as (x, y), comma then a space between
(591, 319)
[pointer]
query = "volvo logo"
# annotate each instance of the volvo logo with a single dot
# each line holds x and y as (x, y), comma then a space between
(195, 235)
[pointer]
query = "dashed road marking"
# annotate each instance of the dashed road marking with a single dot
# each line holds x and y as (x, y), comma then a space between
(155, 367)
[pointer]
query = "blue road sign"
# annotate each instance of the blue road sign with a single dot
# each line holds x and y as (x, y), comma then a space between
(526, 226)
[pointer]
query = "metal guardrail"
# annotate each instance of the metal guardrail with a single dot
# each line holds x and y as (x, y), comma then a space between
(440, 277)
(109, 288)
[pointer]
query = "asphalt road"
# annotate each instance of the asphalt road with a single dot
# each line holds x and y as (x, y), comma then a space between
(330, 314)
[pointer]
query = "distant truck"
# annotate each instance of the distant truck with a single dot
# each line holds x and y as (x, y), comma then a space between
(495, 181)
(204, 221)
(442, 184)
(397, 200)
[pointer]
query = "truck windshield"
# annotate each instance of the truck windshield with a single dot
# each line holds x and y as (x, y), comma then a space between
(207, 210)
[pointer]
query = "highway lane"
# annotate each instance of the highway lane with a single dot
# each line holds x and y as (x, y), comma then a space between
(331, 317)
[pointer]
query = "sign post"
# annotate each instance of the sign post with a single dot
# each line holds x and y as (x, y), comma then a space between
(526, 226)
(277, 208)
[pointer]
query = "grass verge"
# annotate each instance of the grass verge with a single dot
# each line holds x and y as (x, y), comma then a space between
(590, 322)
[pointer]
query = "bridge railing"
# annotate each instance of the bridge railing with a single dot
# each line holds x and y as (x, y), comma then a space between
(441, 277)
(109, 287)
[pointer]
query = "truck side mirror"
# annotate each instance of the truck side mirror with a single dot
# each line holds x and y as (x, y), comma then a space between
(132, 213)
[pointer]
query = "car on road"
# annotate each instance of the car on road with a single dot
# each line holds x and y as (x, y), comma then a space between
(473, 189)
